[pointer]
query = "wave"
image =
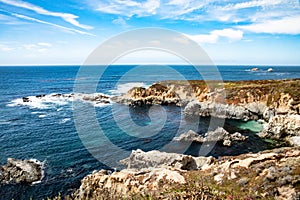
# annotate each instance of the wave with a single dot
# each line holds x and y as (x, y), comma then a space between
(55, 100)
(43, 166)
(64, 120)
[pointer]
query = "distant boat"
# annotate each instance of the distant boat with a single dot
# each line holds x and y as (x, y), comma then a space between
(254, 69)
(270, 70)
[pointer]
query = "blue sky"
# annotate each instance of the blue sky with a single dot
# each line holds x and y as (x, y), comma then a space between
(250, 32)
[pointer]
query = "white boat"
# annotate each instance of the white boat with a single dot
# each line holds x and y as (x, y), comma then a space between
(270, 70)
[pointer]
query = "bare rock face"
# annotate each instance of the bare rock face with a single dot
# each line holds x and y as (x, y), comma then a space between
(125, 184)
(20, 171)
(263, 175)
(281, 126)
(218, 135)
(190, 136)
(156, 94)
(156, 159)
(251, 111)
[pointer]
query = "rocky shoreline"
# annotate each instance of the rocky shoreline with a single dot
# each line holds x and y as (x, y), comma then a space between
(21, 171)
(270, 174)
(277, 102)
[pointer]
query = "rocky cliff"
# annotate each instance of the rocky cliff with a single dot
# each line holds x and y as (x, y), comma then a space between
(230, 99)
(271, 174)
(265, 175)
(275, 101)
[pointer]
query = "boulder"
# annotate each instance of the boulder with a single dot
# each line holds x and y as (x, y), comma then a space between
(156, 159)
(282, 126)
(21, 171)
(218, 135)
(190, 136)
(221, 135)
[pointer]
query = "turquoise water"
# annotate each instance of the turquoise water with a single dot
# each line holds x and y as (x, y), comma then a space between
(46, 130)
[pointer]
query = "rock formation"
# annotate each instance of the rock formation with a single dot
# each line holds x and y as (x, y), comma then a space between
(20, 171)
(281, 126)
(156, 94)
(268, 174)
(218, 135)
(275, 101)
(156, 159)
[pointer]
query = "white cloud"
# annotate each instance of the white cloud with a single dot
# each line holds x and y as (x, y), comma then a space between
(40, 47)
(5, 48)
(30, 46)
(51, 24)
(198, 11)
(120, 21)
(231, 34)
(45, 44)
(129, 8)
(252, 4)
(70, 18)
(287, 25)
(214, 36)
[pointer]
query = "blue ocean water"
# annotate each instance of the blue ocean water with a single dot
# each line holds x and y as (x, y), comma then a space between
(46, 130)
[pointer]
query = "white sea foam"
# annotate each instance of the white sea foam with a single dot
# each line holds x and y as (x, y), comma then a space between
(42, 116)
(42, 165)
(4, 122)
(64, 120)
(59, 100)
(124, 88)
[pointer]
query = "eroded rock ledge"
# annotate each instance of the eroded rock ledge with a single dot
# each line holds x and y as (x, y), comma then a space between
(268, 174)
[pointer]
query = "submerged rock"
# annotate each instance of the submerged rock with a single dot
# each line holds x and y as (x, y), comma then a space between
(20, 171)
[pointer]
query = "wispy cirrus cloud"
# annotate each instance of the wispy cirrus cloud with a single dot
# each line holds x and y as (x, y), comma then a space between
(128, 8)
(230, 11)
(51, 24)
(70, 18)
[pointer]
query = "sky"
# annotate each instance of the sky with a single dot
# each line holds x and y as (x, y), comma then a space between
(65, 32)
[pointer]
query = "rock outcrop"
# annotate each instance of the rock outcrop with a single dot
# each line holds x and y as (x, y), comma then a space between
(281, 126)
(218, 135)
(275, 101)
(156, 94)
(263, 175)
(20, 171)
(156, 159)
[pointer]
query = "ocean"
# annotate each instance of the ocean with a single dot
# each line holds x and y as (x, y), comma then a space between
(45, 129)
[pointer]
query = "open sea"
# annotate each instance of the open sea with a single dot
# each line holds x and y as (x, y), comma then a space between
(45, 129)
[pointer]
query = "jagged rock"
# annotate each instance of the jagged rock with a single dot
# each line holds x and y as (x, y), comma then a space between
(218, 135)
(20, 171)
(156, 159)
(124, 184)
(206, 109)
(156, 94)
(267, 174)
(281, 126)
(190, 136)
